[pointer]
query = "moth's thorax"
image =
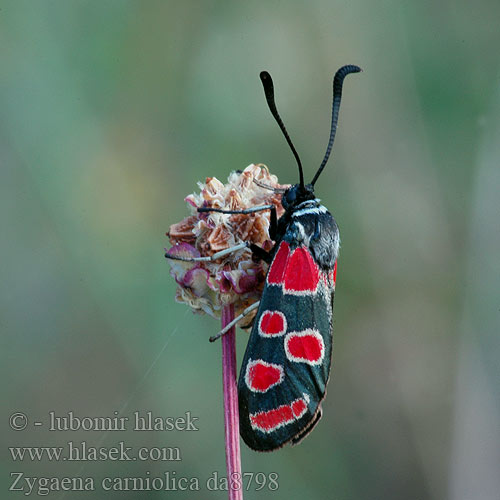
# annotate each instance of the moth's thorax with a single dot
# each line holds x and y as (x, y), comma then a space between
(309, 207)
(310, 224)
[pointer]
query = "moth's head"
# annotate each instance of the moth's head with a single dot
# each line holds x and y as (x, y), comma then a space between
(297, 194)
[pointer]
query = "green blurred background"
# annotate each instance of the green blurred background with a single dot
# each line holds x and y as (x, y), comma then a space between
(109, 114)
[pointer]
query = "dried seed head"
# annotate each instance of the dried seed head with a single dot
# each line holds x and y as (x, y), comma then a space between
(235, 278)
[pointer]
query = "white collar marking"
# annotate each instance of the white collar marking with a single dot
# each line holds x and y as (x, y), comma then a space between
(310, 210)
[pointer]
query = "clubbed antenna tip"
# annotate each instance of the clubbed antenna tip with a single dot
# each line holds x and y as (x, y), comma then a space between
(338, 80)
(267, 83)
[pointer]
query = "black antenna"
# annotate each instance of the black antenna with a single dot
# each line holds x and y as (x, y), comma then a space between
(338, 80)
(267, 82)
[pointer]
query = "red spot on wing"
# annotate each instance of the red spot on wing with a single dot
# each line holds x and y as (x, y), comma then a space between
(305, 347)
(277, 271)
(272, 323)
(299, 407)
(268, 421)
(301, 273)
(261, 376)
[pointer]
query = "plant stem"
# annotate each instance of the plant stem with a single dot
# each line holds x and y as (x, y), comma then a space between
(231, 413)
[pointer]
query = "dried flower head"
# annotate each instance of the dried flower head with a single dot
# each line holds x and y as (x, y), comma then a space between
(235, 278)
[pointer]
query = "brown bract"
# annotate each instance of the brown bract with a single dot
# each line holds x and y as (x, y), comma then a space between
(183, 230)
(235, 278)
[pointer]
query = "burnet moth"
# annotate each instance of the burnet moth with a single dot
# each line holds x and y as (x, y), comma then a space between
(287, 361)
(286, 366)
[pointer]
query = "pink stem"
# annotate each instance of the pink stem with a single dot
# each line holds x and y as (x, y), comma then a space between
(231, 413)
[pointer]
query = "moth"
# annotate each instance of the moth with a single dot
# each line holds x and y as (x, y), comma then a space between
(287, 362)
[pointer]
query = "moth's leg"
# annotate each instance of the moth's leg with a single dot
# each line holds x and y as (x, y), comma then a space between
(234, 212)
(215, 256)
(274, 217)
(261, 254)
(273, 227)
(248, 310)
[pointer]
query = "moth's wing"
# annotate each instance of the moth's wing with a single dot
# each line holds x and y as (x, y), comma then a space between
(287, 361)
